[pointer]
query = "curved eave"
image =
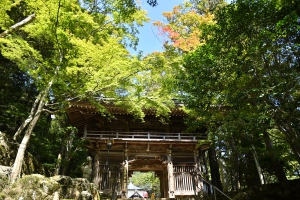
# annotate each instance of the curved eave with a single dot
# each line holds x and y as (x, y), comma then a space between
(115, 110)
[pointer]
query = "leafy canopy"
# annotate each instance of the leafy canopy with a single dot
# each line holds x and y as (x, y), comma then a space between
(244, 79)
(82, 48)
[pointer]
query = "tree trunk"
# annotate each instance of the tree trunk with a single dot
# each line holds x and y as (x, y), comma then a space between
(277, 166)
(292, 138)
(223, 175)
(29, 118)
(251, 175)
(205, 171)
(58, 164)
(214, 167)
(16, 170)
(96, 169)
(68, 150)
(284, 126)
(235, 172)
(260, 174)
(59, 160)
(249, 169)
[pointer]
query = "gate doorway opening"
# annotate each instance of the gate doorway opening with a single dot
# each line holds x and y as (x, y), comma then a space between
(147, 184)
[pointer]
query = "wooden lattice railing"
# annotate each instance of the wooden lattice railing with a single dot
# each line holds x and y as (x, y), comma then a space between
(109, 178)
(142, 135)
(183, 177)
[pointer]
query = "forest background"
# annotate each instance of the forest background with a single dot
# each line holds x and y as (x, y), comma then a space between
(234, 66)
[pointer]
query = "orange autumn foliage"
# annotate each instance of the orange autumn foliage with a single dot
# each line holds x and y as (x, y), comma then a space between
(183, 29)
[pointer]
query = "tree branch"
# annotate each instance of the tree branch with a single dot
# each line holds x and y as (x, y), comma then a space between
(18, 25)
(29, 118)
(49, 111)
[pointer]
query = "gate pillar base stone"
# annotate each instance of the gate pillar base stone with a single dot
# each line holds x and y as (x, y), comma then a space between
(171, 195)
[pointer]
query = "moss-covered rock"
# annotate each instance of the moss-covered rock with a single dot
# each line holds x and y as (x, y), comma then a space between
(38, 187)
(8, 152)
(3, 181)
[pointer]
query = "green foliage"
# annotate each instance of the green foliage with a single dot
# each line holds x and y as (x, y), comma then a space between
(81, 52)
(3, 183)
(55, 137)
(17, 93)
(146, 180)
(244, 81)
(205, 6)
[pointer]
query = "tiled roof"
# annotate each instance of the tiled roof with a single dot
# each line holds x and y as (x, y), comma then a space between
(133, 187)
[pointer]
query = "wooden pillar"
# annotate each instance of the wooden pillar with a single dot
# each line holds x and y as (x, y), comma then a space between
(161, 184)
(171, 182)
(198, 181)
(85, 132)
(164, 182)
(126, 152)
(125, 179)
(125, 171)
(96, 168)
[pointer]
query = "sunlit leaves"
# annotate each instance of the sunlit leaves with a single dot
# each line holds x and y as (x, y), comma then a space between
(185, 26)
(87, 46)
(5, 20)
(248, 71)
(145, 180)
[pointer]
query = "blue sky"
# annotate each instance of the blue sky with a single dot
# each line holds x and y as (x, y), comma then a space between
(148, 41)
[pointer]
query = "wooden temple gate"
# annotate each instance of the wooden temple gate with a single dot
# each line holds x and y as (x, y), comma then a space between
(122, 145)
